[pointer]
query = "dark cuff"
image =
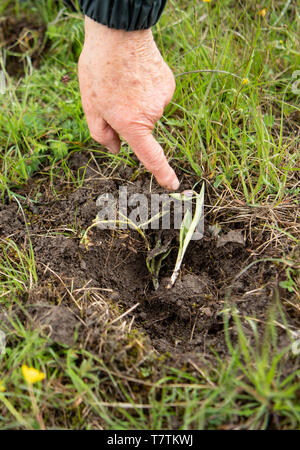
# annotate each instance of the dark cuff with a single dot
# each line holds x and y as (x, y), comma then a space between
(127, 15)
(70, 4)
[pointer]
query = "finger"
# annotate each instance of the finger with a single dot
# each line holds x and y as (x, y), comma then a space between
(103, 133)
(151, 154)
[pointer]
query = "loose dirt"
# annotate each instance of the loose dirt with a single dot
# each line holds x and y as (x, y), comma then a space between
(181, 321)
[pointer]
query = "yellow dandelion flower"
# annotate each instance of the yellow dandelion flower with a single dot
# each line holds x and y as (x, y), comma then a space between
(245, 81)
(262, 12)
(32, 375)
(2, 387)
(206, 1)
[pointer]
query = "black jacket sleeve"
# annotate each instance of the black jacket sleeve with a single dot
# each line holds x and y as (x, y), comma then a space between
(127, 15)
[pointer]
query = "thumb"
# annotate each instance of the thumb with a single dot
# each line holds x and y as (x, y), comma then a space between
(103, 133)
(151, 154)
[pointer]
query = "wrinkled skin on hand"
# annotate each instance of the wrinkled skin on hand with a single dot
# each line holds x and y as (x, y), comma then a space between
(125, 85)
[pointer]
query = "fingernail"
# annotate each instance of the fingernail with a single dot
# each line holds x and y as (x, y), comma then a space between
(112, 150)
(175, 184)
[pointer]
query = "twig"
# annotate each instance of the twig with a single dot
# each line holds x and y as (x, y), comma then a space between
(208, 71)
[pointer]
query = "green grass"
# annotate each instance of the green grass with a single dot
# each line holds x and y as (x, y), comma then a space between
(241, 136)
(251, 390)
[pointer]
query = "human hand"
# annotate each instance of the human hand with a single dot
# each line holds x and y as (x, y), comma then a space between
(125, 85)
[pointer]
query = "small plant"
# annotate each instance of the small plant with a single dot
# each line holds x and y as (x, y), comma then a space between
(293, 277)
(154, 260)
(187, 229)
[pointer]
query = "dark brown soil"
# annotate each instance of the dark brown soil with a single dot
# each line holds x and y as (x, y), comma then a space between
(184, 320)
(20, 39)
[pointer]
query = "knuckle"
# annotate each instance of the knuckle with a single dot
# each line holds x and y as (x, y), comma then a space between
(172, 82)
(133, 126)
(170, 92)
(154, 160)
(121, 123)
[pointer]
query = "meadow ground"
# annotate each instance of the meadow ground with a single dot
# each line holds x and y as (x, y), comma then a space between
(221, 349)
